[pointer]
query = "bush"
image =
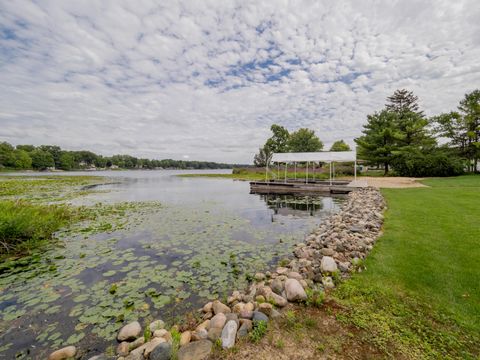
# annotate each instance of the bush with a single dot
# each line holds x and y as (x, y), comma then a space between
(436, 162)
(22, 225)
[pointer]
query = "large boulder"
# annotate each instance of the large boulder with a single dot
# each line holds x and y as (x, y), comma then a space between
(218, 308)
(294, 290)
(328, 264)
(162, 351)
(229, 333)
(64, 353)
(198, 350)
(129, 332)
(218, 321)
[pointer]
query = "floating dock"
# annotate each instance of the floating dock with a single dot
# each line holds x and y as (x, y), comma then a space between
(299, 187)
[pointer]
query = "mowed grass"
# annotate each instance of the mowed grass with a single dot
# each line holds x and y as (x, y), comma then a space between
(420, 293)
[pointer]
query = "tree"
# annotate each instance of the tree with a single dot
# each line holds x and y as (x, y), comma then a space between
(22, 159)
(462, 128)
(41, 159)
(304, 140)
(27, 148)
(261, 159)
(340, 145)
(7, 157)
(55, 151)
(66, 161)
(380, 139)
(403, 101)
(278, 143)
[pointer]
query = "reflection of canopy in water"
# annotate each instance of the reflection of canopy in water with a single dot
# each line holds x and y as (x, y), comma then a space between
(329, 157)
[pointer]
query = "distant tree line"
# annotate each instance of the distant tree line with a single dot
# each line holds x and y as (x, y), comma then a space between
(44, 157)
(401, 137)
(302, 140)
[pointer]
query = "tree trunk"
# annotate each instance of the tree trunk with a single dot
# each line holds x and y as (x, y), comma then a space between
(386, 168)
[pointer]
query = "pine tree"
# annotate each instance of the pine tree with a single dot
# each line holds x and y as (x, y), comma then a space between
(403, 101)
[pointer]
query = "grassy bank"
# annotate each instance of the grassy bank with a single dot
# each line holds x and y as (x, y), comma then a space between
(252, 174)
(420, 293)
(25, 226)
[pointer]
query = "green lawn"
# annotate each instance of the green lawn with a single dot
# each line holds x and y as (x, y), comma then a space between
(420, 292)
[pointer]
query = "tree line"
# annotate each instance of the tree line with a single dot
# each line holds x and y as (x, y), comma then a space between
(302, 140)
(401, 137)
(44, 157)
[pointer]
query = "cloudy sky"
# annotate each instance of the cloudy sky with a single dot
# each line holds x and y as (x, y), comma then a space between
(206, 79)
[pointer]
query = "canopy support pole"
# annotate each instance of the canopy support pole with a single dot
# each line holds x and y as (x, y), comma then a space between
(330, 172)
(278, 171)
(285, 179)
(306, 175)
(295, 166)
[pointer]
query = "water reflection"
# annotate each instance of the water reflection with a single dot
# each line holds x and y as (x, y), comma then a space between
(300, 206)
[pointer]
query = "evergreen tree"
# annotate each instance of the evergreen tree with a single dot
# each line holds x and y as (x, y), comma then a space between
(380, 139)
(403, 101)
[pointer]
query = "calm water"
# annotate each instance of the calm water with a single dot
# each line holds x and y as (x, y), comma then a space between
(200, 239)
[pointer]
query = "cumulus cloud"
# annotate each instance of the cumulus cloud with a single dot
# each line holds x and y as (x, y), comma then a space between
(165, 79)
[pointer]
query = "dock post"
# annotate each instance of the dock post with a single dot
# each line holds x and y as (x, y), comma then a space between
(306, 175)
(285, 179)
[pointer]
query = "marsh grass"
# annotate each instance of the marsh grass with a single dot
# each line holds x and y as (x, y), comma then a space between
(24, 226)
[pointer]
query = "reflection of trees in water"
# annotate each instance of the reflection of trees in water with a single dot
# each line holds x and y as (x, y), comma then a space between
(293, 205)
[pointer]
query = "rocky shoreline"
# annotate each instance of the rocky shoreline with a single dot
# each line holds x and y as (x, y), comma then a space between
(331, 252)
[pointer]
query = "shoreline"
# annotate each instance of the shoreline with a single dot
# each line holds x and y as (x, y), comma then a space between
(330, 253)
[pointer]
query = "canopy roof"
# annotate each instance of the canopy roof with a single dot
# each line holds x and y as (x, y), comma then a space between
(324, 156)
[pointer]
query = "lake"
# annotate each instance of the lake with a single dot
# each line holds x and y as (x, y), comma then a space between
(162, 246)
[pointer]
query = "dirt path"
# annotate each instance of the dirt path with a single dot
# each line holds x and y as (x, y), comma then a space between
(389, 182)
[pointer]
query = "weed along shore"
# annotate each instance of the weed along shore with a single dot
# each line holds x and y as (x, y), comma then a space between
(337, 247)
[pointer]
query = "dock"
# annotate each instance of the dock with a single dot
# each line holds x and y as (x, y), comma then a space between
(299, 187)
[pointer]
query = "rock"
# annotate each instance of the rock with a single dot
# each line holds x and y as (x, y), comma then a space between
(237, 308)
(260, 298)
(229, 333)
(246, 314)
(136, 354)
(249, 307)
(356, 229)
(218, 321)
(294, 290)
(98, 357)
(185, 338)
(328, 264)
(156, 325)
(64, 353)
(327, 252)
(162, 351)
(245, 328)
(123, 348)
(277, 300)
(265, 308)
(259, 276)
(208, 307)
(129, 332)
(201, 334)
(328, 282)
(233, 317)
(264, 291)
(160, 333)
(275, 314)
(203, 325)
(137, 343)
(218, 308)
(282, 271)
(198, 350)
(277, 286)
(259, 316)
(295, 275)
(207, 316)
(214, 334)
(152, 344)
(304, 284)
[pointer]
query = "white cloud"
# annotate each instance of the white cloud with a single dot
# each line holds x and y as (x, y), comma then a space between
(209, 78)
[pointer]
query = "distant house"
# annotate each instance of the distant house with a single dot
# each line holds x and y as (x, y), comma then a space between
(114, 167)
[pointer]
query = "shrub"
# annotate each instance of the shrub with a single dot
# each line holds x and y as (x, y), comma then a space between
(259, 331)
(23, 225)
(435, 162)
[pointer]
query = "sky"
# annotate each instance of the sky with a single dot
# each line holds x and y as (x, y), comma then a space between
(204, 80)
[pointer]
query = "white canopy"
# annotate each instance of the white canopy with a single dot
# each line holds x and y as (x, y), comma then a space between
(324, 156)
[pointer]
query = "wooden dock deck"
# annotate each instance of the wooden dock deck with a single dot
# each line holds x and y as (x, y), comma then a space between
(293, 187)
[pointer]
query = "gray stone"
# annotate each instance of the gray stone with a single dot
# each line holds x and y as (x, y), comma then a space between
(233, 317)
(328, 264)
(162, 351)
(198, 350)
(218, 321)
(129, 332)
(327, 252)
(245, 328)
(98, 357)
(246, 314)
(295, 275)
(214, 334)
(277, 286)
(259, 316)
(229, 333)
(328, 282)
(277, 300)
(156, 325)
(294, 290)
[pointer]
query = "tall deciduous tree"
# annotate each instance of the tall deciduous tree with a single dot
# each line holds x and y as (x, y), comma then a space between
(304, 140)
(380, 139)
(278, 142)
(340, 145)
(462, 128)
(262, 157)
(41, 159)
